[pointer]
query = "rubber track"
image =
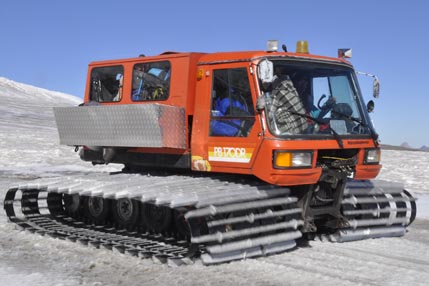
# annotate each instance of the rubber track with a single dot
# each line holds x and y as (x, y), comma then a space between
(161, 250)
(372, 209)
(375, 209)
(219, 201)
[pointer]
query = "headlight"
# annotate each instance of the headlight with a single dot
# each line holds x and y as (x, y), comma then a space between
(292, 159)
(372, 156)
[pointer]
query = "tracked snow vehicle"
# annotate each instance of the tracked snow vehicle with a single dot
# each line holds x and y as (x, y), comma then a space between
(226, 156)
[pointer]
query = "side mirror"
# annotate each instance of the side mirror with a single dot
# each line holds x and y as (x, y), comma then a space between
(370, 106)
(266, 71)
(375, 84)
(376, 88)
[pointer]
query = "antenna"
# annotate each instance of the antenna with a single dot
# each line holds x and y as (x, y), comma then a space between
(284, 48)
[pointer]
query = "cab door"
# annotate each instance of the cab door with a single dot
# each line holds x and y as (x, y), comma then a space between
(227, 131)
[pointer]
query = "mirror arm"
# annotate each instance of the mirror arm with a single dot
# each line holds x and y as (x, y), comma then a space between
(376, 83)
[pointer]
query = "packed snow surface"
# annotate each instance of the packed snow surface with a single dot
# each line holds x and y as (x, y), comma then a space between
(29, 150)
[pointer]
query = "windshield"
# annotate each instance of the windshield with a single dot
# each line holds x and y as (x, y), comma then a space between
(313, 98)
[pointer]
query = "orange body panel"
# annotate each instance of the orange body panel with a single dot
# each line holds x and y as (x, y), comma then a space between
(263, 166)
(183, 78)
(252, 154)
(366, 172)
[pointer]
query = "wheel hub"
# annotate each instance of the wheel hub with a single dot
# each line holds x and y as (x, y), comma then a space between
(96, 206)
(125, 208)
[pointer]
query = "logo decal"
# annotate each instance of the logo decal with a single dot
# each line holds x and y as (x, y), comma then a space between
(230, 154)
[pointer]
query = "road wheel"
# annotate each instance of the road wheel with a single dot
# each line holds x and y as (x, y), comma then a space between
(125, 212)
(96, 209)
(71, 204)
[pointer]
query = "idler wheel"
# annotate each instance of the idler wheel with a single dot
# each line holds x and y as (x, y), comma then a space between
(71, 203)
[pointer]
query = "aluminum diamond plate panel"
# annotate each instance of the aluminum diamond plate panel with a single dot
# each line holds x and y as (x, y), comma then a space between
(136, 125)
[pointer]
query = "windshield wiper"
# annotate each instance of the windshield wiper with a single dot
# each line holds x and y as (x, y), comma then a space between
(319, 121)
(372, 133)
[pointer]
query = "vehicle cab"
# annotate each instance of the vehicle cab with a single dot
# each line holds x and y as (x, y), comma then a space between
(288, 118)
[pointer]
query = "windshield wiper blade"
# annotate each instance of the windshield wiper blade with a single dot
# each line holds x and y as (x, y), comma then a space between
(351, 118)
(372, 133)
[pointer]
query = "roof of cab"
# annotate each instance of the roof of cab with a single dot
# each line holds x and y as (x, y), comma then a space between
(162, 56)
(224, 57)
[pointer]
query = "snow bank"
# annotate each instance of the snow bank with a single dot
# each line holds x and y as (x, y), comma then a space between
(21, 92)
(29, 149)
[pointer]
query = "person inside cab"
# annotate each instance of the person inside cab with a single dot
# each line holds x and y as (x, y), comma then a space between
(227, 107)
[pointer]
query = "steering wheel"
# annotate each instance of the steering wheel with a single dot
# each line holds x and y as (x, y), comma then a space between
(327, 105)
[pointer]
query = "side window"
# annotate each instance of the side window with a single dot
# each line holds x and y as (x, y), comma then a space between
(106, 84)
(232, 112)
(151, 81)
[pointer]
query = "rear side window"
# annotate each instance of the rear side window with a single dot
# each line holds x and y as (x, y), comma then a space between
(106, 84)
(151, 81)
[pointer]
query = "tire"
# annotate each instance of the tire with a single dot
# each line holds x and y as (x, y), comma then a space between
(72, 204)
(125, 212)
(96, 209)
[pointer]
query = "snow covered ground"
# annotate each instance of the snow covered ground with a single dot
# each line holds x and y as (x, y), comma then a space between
(29, 150)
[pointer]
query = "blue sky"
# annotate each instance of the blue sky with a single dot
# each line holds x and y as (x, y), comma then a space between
(49, 43)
